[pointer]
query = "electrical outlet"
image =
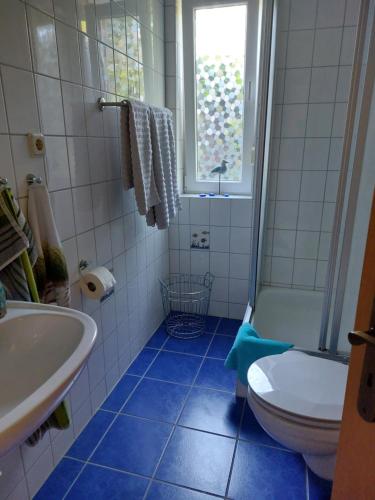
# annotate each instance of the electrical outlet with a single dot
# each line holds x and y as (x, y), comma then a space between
(37, 145)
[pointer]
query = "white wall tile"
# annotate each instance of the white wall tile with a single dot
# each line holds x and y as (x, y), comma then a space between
(219, 239)
(309, 217)
(238, 291)
(24, 163)
(241, 212)
(323, 84)
(239, 266)
(219, 264)
(330, 13)
(19, 94)
(43, 43)
(65, 10)
(14, 41)
(286, 214)
(319, 120)
(50, 105)
(281, 270)
(316, 154)
(297, 85)
(302, 14)
(348, 46)
(288, 185)
(78, 160)
(300, 48)
(68, 50)
(219, 212)
(73, 109)
(283, 243)
(40, 471)
(291, 154)
(62, 205)
(199, 212)
(57, 167)
(339, 119)
(343, 83)
(307, 243)
(86, 16)
(200, 262)
(304, 272)
(294, 120)
(220, 290)
(312, 187)
(324, 246)
(240, 240)
(6, 163)
(327, 47)
(3, 118)
(83, 213)
(12, 471)
(89, 61)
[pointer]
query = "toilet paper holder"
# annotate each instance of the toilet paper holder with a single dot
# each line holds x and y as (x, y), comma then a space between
(84, 266)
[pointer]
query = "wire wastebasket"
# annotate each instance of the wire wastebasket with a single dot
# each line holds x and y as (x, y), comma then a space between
(186, 299)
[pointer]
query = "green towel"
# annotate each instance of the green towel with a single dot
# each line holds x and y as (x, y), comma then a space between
(248, 347)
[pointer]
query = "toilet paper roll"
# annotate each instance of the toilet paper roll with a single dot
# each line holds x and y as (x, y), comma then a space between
(97, 283)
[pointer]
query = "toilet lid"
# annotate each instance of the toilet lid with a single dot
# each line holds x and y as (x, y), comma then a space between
(300, 384)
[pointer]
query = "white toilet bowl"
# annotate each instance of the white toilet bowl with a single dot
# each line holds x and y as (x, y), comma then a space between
(298, 400)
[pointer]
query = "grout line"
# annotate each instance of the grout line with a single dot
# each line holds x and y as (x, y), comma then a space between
(235, 448)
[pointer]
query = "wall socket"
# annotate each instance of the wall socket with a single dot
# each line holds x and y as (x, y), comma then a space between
(37, 145)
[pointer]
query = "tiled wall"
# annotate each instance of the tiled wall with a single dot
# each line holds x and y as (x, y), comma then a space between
(314, 62)
(226, 224)
(56, 58)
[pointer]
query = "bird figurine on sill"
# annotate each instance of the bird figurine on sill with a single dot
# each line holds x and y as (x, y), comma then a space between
(220, 169)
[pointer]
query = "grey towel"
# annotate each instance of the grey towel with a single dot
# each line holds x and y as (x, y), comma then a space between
(15, 237)
(165, 170)
(137, 168)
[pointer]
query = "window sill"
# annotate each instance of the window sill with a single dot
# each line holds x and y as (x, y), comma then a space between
(217, 196)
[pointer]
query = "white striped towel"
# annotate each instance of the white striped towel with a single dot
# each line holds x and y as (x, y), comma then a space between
(137, 166)
(164, 162)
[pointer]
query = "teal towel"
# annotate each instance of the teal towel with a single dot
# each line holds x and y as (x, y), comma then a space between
(248, 347)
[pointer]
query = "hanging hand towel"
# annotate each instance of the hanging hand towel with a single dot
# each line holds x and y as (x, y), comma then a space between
(165, 170)
(50, 269)
(137, 168)
(17, 250)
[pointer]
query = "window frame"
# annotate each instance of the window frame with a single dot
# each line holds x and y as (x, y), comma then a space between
(191, 184)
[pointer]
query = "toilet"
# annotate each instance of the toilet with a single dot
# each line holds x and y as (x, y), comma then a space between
(298, 400)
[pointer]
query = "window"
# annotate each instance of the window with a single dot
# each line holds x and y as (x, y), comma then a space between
(220, 52)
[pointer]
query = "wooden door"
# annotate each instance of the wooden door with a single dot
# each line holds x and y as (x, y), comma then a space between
(355, 466)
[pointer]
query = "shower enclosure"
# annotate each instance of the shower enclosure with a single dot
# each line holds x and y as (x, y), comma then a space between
(304, 199)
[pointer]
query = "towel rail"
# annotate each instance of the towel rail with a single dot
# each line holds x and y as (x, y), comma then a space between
(102, 103)
(33, 179)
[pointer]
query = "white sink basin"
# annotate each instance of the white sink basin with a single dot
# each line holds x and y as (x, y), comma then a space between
(42, 350)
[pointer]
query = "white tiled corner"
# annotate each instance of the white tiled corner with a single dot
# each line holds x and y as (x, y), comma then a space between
(283, 243)
(240, 240)
(304, 272)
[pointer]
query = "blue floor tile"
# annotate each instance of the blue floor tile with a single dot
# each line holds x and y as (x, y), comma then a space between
(120, 393)
(196, 346)
(133, 445)
(157, 400)
(319, 489)
(261, 472)
(104, 484)
(211, 323)
(213, 374)
(229, 326)
(173, 367)
(197, 460)
(158, 338)
(212, 411)
(220, 346)
(86, 442)
(142, 362)
(252, 431)
(163, 491)
(60, 480)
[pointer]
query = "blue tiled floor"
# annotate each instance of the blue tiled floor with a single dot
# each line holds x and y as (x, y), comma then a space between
(172, 429)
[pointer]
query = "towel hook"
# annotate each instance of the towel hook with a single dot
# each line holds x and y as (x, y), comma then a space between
(33, 179)
(3, 181)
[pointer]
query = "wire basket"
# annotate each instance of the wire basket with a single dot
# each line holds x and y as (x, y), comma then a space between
(186, 299)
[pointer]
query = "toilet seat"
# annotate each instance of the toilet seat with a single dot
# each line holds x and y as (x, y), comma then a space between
(300, 387)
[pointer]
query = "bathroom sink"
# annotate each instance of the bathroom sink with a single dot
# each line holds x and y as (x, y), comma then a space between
(42, 350)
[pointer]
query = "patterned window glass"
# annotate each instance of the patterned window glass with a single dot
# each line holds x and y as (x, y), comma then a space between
(220, 41)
